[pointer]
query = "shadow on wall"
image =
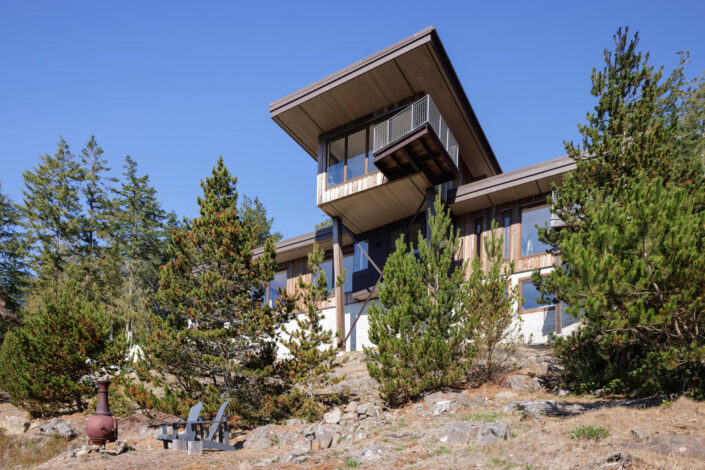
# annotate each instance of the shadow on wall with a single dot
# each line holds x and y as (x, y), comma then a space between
(549, 321)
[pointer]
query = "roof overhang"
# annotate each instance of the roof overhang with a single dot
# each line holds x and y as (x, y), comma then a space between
(300, 246)
(417, 64)
(514, 185)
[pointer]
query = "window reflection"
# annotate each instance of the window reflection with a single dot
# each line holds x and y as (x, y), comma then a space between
(530, 218)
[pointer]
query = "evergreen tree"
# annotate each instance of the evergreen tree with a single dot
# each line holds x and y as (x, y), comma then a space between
(42, 362)
(633, 243)
(490, 306)
(219, 337)
(94, 228)
(139, 236)
(310, 346)
(418, 327)
(52, 216)
(254, 214)
(13, 269)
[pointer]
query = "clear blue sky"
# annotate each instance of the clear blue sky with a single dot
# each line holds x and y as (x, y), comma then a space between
(175, 84)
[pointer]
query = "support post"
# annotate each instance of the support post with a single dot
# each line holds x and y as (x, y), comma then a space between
(559, 307)
(337, 271)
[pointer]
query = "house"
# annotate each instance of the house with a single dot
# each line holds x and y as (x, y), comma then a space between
(388, 133)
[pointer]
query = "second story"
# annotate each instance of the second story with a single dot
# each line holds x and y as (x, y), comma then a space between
(385, 129)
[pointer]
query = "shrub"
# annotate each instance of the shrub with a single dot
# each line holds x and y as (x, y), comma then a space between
(594, 433)
(42, 362)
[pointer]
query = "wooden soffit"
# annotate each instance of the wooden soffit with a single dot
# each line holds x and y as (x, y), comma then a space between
(417, 64)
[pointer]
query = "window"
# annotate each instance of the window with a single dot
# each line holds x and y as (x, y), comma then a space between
(279, 282)
(348, 265)
(530, 295)
(412, 236)
(350, 156)
(360, 262)
(530, 218)
(478, 236)
(327, 268)
(507, 223)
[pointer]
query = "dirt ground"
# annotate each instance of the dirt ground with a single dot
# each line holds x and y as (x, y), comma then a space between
(542, 443)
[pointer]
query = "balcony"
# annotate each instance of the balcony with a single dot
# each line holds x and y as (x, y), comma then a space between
(416, 140)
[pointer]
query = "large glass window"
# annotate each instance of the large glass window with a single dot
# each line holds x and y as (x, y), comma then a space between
(348, 267)
(327, 268)
(507, 223)
(350, 156)
(530, 218)
(478, 236)
(360, 262)
(530, 296)
(279, 282)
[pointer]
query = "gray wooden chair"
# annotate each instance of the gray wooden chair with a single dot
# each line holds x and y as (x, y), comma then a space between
(189, 433)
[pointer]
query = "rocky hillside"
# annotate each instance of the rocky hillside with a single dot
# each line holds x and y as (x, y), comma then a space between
(520, 424)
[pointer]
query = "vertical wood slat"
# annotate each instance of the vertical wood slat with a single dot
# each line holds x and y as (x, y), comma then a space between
(337, 271)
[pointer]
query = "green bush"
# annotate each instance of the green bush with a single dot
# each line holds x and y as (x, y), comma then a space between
(42, 362)
(594, 433)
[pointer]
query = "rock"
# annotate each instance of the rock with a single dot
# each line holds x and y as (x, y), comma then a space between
(531, 413)
(441, 407)
(492, 432)
(506, 395)
(434, 397)
(600, 392)
(57, 427)
(333, 416)
(681, 445)
(14, 424)
(295, 422)
(349, 416)
(244, 466)
(82, 453)
(364, 408)
(619, 461)
(260, 438)
(371, 453)
(534, 385)
(478, 400)
(350, 407)
(518, 382)
(562, 392)
(296, 452)
(459, 433)
(638, 434)
(328, 437)
(266, 462)
(148, 431)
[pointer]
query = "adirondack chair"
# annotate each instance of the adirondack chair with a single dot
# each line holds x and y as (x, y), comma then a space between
(189, 433)
(219, 427)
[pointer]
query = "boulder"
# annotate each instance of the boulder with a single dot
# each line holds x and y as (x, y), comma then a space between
(350, 407)
(349, 416)
(518, 382)
(57, 427)
(459, 433)
(639, 434)
(261, 437)
(478, 400)
(441, 407)
(506, 395)
(14, 424)
(681, 445)
(333, 416)
(327, 437)
(371, 453)
(492, 432)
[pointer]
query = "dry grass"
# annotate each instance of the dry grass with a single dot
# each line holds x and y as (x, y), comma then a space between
(25, 452)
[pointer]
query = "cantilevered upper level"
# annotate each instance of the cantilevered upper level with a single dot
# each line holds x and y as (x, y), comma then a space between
(385, 129)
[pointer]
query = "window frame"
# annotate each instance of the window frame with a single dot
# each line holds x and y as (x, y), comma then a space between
(522, 208)
(367, 127)
(520, 285)
(269, 286)
(507, 216)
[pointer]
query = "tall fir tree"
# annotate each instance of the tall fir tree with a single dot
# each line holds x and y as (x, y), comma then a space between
(632, 246)
(219, 337)
(14, 274)
(51, 213)
(418, 327)
(254, 214)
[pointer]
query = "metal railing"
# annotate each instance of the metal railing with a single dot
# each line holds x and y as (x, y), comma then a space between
(406, 121)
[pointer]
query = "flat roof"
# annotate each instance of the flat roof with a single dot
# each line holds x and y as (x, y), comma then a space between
(415, 65)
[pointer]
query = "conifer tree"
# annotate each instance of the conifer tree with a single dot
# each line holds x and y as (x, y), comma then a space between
(219, 337)
(51, 213)
(42, 362)
(254, 214)
(13, 269)
(490, 304)
(632, 247)
(310, 346)
(418, 327)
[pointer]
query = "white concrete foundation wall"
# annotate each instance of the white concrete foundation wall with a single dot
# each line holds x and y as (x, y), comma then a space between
(536, 326)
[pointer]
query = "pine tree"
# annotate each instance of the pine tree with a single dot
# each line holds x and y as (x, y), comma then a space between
(219, 337)
(42, 362)
(418, 327)
(632, 247)
(490, 307)
(254, 214)
(14, 275)
(52, 216)
(310, 346)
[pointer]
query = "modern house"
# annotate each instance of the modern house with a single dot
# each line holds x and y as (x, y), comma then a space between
(388, 133)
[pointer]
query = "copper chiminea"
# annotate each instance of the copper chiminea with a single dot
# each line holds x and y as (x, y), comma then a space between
(102, 426)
